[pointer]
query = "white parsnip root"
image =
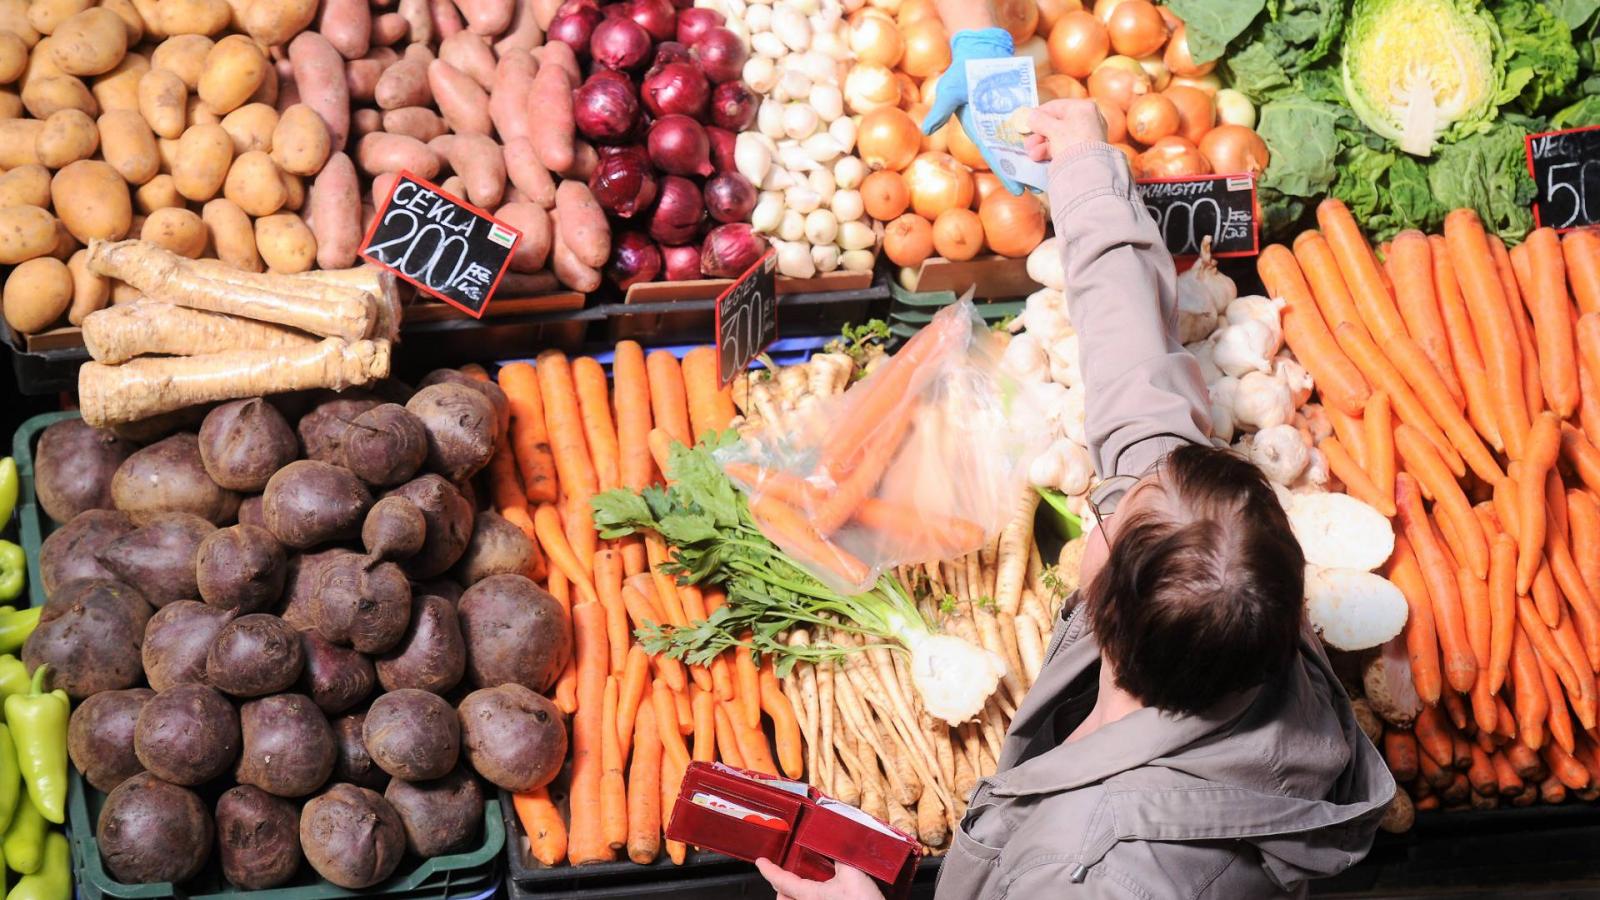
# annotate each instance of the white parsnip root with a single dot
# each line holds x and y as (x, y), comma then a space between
(112, 395)
(151, 328)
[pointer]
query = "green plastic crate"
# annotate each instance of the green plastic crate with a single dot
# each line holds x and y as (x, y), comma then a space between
(471, 875)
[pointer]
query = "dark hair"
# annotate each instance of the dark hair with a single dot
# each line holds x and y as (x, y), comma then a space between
(1205, 600)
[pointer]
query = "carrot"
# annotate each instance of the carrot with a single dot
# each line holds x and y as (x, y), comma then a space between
(671, 782)
(566, 696)
(1583, 455)
(1588, 396)
(1306, 333)
(1541, 446)
(1502, 608)
(644, 615)
(1546, 597)
(1571, 773)
(908, 524)
(1505, 726)
(613, 790)
(1410, 267)
(857, 477)
(1378, 437)
(1557, 720)
(666, 716)
(1507, 783)
(1548, 303)
(1463, 344)
(547, 523)
(631, 393)
(1350, 430)
(721, 667)
(1491, 322)
(752, 745)
(589, 841)
(1588, 339)
(564, 422)
(1433, 736)
(1506, 269)
(704, 748)
(1383, 375)
(1356, 482)
(1460, 666)
(1400, 752)
(1544, 644)
(1413, 364)
(1422, 643)
(785, 726)
(547, 834)
(1531, 699)
(747, 688)
(710, 402)
(1571, 646)
(530, 439)
(1481, 774)
(608, 587)
(1457, 710)
(668, 405)
(660, 445)
(1328, 287)
(1570, 580)
(727, 744)
(790, 530)
(1425, 466)
(631, 693)
(1360, 270)
(644, 790)
(599, 432)
(1475, 609)
(1581, 250)
(505, 485)
(1583, 514)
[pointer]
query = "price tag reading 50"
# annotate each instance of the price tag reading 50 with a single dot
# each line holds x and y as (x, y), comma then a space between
(1566, 170)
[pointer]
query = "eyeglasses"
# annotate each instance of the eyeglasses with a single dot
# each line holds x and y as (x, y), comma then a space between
(1107, 496)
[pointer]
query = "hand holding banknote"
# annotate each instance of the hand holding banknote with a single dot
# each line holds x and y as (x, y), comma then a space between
(1060, 125)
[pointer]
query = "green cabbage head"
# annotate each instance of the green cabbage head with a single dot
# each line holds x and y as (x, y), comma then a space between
(1416, 69)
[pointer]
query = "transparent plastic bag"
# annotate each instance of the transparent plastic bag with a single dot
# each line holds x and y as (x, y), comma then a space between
(923, 460)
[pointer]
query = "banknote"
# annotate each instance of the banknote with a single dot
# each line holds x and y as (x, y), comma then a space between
(999, 92)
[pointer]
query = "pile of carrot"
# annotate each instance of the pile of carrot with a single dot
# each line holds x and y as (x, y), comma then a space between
(1462, 381)
(637, 720)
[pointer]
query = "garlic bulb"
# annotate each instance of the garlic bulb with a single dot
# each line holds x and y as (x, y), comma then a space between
(1245, 347)
(1262, 401)
(1280, 453)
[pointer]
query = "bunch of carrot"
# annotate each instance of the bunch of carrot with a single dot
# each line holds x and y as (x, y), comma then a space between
(637, 719)
(1462, 381)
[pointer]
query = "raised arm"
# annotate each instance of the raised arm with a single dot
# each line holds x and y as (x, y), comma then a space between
(959, 15)
(1144, 393)
(973, 35)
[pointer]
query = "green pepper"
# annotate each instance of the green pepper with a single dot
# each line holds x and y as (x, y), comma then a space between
(53, 881)
(24, 840)
(10, 779)
(13, 570)
(14, 679)
(9, 483)
(38, 723)
(15, 627)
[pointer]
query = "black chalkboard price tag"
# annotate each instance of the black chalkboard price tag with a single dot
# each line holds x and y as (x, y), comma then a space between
(442, 244)
(747, 317)
(1189, 210)
(1566, 171)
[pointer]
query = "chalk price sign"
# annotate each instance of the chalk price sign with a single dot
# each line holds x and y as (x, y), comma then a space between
(747, 317)
(1219, 207)
(442, 244)
(1566, 170)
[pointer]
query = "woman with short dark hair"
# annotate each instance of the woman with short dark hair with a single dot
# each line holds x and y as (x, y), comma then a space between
(1186, 736)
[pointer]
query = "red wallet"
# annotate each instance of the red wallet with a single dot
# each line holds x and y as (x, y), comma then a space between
(749, 816)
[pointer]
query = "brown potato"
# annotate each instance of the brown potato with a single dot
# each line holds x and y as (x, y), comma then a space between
(177, 229)
(157, 193)
(89, 291)
(251, 127)
(119, 88)
(47, 15)
(232, 234)
(93, 200)
(45, 96)
(194, 16)
(253, 183)
(294, 192)
(132, 21)
(129, 145)
(17, 137)
(285, 243)
(300, 143)
(273, 22)
(199, 113)
(37, 293)
(184, 55)
(164, 102)
(68, 136)
(149, 13)
(66, 244)
(234, 69)
(14, 19)
(13, 57)
(205, 153)
(26, 232)
(91, 42)
(25, 186)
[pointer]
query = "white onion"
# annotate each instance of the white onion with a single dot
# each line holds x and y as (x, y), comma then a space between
(819, 67)
(778, 179)
(794, 84)
(802, 199)
(856, 236)
(768, 44)
(847, 205)
(804, 7)
(794, 158)
(849, 171)
(1234, 108)
(799, 121)
(821, 227)
(768, 214)
(830, 44)
(761, 74)
(794, 260)
(828, 101)
(843, 130)
(826, 257)
(793, 226)
(790, 25)
(822, 182)
(751, 157)
(758, 18)
(769, 119)
(822, 147)
(857, 260)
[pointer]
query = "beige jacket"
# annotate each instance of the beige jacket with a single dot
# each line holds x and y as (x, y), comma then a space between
(1271, 788)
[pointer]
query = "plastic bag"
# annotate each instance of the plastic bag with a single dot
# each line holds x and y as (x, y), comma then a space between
(923, 460)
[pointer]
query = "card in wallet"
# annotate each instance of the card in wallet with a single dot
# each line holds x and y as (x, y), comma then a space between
(749, 816)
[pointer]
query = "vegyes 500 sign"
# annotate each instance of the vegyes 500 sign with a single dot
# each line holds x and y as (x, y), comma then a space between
(1566, 170)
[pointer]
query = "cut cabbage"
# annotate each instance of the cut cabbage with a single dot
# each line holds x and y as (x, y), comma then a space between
(1413, 69)
(1352, 609)
(1339, 531)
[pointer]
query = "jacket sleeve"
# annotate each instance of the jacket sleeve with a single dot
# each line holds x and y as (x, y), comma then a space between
(1144, 392)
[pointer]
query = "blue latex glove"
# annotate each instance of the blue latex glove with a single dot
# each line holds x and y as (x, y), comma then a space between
(951, 97)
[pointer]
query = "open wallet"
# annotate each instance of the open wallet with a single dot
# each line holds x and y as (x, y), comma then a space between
(749, 816)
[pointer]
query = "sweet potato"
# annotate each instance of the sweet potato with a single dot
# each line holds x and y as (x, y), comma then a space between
(470, 54)
(288, 746)
(478, 160)
(552, 96)
(319, 77)
(533, 251)
(73, 468)
(416, 122)
(419, 20)
(347, 24)
(336, 678)
(522, 34)
(404, 84)
(308, 503)
(528, 174)
(159, 557)
(352, 836)
(255, 655)
(513, 737)
(515, 633)
(188, 734)
(571, 271)
(258, 838)
(486, 17)
(100, 737)
(176, 641)
(413, 735)
(583, 224)
(380, 152)
(335, 213)
(153, 831)
(389, 28)
(432, 655)
(441, 816)
(462, 101)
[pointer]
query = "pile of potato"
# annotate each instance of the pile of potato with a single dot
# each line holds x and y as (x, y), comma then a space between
(297, 606)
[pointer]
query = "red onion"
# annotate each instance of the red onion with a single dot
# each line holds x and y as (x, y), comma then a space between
(693, 23)
(616, 10)
(723, 142)
(571, 6)
(576, 28)
(682, 263)
(730, 197)
(634, 259)
(682, 4)
(731, 249)
(733, 106)
(624, 182)
(676, 219)
(620, 43)
(658, 17)
(679, 146)
(720, 53)
(678, 88)
(670, 52)
(605, 108)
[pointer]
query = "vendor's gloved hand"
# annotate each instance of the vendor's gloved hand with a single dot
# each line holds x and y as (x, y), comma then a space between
(951, 96)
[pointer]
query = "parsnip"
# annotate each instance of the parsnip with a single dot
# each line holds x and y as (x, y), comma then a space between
(1016, 542)
(149, 327)
(145, 387)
